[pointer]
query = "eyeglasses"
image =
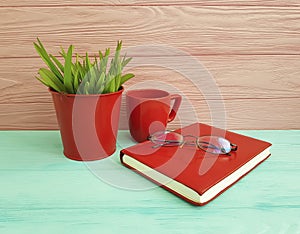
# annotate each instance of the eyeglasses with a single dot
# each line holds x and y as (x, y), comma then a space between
(210, 144)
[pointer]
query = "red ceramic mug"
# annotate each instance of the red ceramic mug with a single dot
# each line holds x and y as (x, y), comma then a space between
(149, 111)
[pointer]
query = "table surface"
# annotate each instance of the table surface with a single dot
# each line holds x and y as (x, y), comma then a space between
(44, 192)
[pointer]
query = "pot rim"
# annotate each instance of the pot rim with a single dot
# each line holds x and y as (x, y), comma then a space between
(85, 95)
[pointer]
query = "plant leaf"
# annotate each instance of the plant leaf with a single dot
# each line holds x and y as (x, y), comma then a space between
(118, 78)
(112, 86)
(100, 83)
(41, 80)
(104, 61)
(88, 62)
(68, 79)
(126, 77)
(49, 78)
(92, 86)
(46, 58)
(63, 52)
(125, 61)
(76, 81)
(58, 63)
(108, 84)
(86, 88)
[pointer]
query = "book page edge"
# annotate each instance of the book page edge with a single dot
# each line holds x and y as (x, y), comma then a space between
(186, 191)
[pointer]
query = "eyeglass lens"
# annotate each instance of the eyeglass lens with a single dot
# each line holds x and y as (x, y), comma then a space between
(167, 138)
(214, 144)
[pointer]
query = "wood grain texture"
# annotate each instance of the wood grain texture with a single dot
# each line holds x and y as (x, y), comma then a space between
(261, 77)
(240, 114)
(259, 92)
(26, 3)
(234, 114)
(197, 30)
(43, 192)
(249, 47)
(28, 116)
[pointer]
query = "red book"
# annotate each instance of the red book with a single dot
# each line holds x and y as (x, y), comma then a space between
(191, 173)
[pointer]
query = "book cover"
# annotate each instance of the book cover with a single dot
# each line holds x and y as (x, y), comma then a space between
(191, 173)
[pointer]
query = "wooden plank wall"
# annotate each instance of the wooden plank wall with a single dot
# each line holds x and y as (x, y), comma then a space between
(251, 48)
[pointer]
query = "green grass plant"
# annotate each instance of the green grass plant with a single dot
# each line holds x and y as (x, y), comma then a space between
(81, 74)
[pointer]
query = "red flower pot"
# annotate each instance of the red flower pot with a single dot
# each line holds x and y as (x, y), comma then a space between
(88, 124)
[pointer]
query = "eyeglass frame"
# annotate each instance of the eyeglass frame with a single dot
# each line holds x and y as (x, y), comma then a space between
(233, 148)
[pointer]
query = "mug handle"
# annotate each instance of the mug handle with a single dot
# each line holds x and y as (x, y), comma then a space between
(177, 100)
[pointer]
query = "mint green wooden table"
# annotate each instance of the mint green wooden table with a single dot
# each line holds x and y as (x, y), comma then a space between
(44, 192)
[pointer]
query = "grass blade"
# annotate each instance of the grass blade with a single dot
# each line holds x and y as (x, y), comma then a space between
(76, 81)
(68, 79)
(126, 77)
(46, 58)
(86, 88)
(58, 63)
(118, 78)
(100, 83)
(125, 61)
(92, 80)
(49, 78)
(44, 82)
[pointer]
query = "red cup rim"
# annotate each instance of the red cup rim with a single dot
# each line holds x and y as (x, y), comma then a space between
(147, 93)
